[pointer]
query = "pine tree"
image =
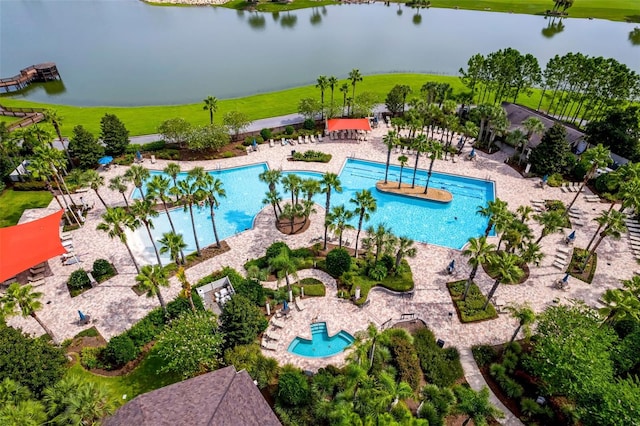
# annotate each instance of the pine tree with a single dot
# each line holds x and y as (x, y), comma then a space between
(114, 135)
(552, 154)
(85, 149)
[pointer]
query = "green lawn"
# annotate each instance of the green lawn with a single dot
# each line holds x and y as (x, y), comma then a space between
(15, 202)
(8, 120)
(145, 120)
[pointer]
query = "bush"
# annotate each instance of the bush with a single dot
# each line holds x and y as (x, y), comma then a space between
(228, 154)
(378, 272)
(289, 130)
(302, 253)
(153, 146)
(266, 134)
(2, 187)
(338, 262)
(293, 387)
(34, 185)
(274, 250)
(124, 160)
(309, 124)
(312, 156)
(555, 180)
(101, 268)
(252, 290)
(581, 169)
(120, 350)
(90, 357)
(407, 362)
(248, 141)
(440, 366)
(168, 154)
(147, 328)
(484, 354)
(471, 308)
(78, 280)
(180, 305)
(510, 361)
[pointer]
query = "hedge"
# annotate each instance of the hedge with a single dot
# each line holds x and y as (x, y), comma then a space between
(470, 309)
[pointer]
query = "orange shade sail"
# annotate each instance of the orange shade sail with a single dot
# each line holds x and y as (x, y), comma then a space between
(336, 124)
(26, 245)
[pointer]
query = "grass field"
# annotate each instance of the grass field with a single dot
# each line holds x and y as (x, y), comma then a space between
(145, 120)
(15, 202)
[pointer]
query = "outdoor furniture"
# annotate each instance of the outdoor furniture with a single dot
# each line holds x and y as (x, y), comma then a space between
(271, 143)
(37, 277)
(299, 304)
(276, 323)
(37, 283)
(271, 336)
(36, 271)
(153, 159)
(268, 345)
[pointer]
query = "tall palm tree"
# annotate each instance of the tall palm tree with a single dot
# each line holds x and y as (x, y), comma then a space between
(117, 184)
(524, 212)
(392, 392)
(271, 177)
(478, 252)
(212, 189)
(52, 116)
(150, 279)
(338, 221)
(308, 208)
(115, 220)
(492, 211)
(322, 83)
(292, 183)
(420, 144)
(284, 266)
(329, 182)
(186, 288)
(23, 413)
(525, 316)
(137, 175)
(190, 194)
(597, 156)
(404, 249)
(382, 239)
(273, 198)
(26, 300)
(173, 170)
(389, 140)
(629, 193)
(365, 205)
(507, 267)
(476, 405)
(619, 305)
(211, 104)
(310, 187)
(435, 151)
(95, 181)
(142, 210)
(552, 221)
(173, 244)
(403, 162)
(40, 169)
(158, 189)
(43, 136)
(469, 130)
(354, 77)
(614, 225)
(332, 81)
(533, 126)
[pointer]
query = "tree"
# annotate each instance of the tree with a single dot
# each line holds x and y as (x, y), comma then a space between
(52, 116)
(619, 305)
(344, 89)
(478, 251)
(143, 211)
(137, 175)
(186, 288)
(114, 135)
(435, 151)
(309, 108)
(403, 162)
(249, 357)
(330, 182)
(210, 104)
(404, 249)
(212, 136)
(27, 301)
(381, 238)
(115, 220)
(322, 83)
(354, 77)
(525, 317)
(365, 205)
(158, 189)
(389, 140)
(212, 190)
(76, 401)
(597, 157)
(613, 223)
(552, 221)
(551, 155)
(84, 148)
(236, 121)
(175, 130)
(364, 104)
(150, 279)
(618, 130)
(241, 321)
(284, 266)
(420, 144)
(190, 194)
(338, 221)
(174, 245)
(173, 170)
(533, 126)
(493, 211)
(507, 269)
(23, 413)
(397, 98)
(95, 181)
(475, 405)
(190, 345)
(117, 183)
(293, 387)
(273, 198)
(271, 177)
(332, 81)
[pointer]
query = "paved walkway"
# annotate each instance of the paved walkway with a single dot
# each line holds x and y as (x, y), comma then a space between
(115, 307)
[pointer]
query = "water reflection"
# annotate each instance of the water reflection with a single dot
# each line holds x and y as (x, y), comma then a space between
(417, 18)
(257, 21)
(316, 17)
(288, 21)
(553, 28)
(634, 36)
(275, 16)
(51, 88)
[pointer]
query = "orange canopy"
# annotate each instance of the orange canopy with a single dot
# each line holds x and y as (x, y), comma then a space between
(26, 245)
(336, 124)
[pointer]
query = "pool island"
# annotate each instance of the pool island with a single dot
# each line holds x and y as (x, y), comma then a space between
(432, 194)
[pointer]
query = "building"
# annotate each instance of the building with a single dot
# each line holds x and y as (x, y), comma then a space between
(224, 397)
(214, 295)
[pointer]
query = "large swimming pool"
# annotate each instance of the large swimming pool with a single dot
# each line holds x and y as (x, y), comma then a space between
(448, 225)
(320, 345)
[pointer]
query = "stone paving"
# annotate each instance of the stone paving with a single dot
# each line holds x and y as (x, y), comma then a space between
(114, 307)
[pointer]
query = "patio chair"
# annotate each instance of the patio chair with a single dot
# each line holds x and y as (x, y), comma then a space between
(271, 143)
(319, 138)
(36, 271)
(153, 159)
(37, 283)
(299, 303)
(300, 140)
(283, 142)
(271, 336)
(34, 278)
(268, 345)
(277, 323)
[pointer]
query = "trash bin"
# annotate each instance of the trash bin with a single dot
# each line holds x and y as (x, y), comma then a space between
(440, 343)
(293, 152)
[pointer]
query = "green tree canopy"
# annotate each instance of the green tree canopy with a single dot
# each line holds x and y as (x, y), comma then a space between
(236, 121)
(619, 130)
(84, 147)
(552, 154)
(242, 321)
(175, 130)
(212, 136)
(114, 135)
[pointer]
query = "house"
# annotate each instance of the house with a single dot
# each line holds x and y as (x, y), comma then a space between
(224, 397)
(215, 294)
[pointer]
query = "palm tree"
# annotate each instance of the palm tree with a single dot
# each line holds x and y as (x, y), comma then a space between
(174, 245)
(533, 126)
(143, 211)
(344, 89)
(23, 413)
(507, 268)
(52, 116)
(382, 238)
(475, 405)
(354, 77)
(150, 279)
(613, 224)
(117, 184)
(404, 249)
(273, 198)
(76, 401)
(619, 305)
(40, 169)
(525, 316)
(629, 193)
(389, 140)
(158, 189)
(26, 300)
(186, 288)
(392, 392)
(292, 183)
(95, 181)
(330, 182)
(332, 82)
(173, 170)
(310, 187)
(211, 104)
(322, 83)
(469, 130)
(435, 153)
(478, 252)
(213, 191)
(492, 211)
(307, 209)
(420, 144)
(137, 175)
(531, 253)
(403, 162)
(552, 221)
(338, 221)
(115, 220)
(271, 177)
(190, 194)
(365, 205)
(524, 212)
(598, 156)
(284, 266)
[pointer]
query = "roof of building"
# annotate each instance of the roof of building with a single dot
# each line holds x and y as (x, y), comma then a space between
(518, 113)
(221, 398)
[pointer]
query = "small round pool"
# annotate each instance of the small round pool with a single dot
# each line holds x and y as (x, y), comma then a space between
(320, 345)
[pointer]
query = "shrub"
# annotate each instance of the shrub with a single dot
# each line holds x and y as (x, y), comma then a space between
(2, 186)
(120, 350)
(312, 156)
(228, 154)
(407, 362)
(498, 372)
(510, 361)
(512, 388)
(378, 272)
(153, 146)
(555, 180)
(274, 250)
(514, 347)
(101, 268)
(248, 141)
(252, 290)
(302, 253)
(484, 354)
(78, 280)
(293, 387)
(180, 305)
(146, 329)
(441, 366)
(90, 357)
(34, 185)
(266, 134)
(309, 124)
(124, 160)
(581, 169)
(338, 262)
(289, 130)
(168, 154)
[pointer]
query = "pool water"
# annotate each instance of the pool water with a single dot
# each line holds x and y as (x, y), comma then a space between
(321, 345)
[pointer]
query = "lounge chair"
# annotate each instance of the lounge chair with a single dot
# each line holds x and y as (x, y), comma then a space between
(560, 265)
(269, 345)
(153, 159)
(37, 283)
(397, 149)
(277, 323)
(564, 250)
(36, 271)
(271, 336)
(319, 138)
(283, 142)
(271, 143)
(300, 140)
(299, 303)
(33, 278)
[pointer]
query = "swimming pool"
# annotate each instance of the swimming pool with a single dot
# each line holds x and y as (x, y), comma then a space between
(320, 345)
(445, 224)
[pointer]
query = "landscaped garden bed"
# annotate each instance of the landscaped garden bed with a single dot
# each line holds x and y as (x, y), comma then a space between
(577, 260)
(470, 309)
(79, 280)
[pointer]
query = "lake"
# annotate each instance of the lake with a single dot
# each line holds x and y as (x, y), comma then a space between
(125, 52)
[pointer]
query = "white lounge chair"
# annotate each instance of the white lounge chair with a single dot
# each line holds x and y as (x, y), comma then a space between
(277, 323)
(153, 159)
(319, 138)
(299, 303)
(271, 143)
(564, 250)
(33, 278)
(283, 142)
(269, 345)
(271, 336)
(37, 283)
(37, 271)
(559, 265)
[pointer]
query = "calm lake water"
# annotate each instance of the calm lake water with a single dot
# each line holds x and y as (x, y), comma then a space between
(125, 52)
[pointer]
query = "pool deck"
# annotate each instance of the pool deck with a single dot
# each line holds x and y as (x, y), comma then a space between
(114, 307)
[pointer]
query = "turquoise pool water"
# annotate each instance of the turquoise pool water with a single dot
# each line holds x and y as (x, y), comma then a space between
(321, 345)
(449, 225)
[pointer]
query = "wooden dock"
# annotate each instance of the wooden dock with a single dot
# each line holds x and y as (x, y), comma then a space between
(47, 71)
(28, 116)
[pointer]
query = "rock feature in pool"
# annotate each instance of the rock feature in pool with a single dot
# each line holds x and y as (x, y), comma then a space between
(433, 194)
(320, 345)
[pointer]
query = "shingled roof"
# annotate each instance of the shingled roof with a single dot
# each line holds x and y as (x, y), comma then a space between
(221, 398)
(518, 113)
